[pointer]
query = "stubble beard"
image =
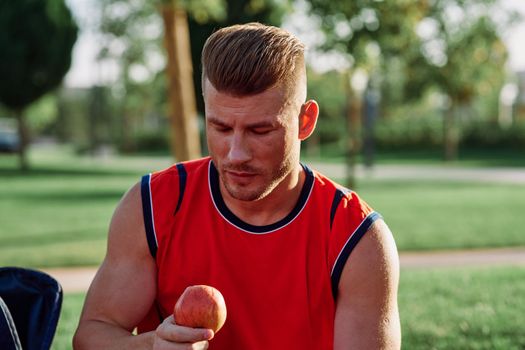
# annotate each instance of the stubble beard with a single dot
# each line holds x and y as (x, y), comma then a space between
(243, 193)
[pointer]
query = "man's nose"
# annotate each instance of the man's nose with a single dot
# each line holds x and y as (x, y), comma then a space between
(239, 151)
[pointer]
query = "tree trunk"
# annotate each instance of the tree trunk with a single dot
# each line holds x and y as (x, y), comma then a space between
(127, 116)
(185, 138)
(370, 108)
(353, 115)
(450, 133)
(23, 135)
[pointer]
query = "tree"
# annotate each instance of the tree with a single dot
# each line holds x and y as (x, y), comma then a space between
(183, 110)
(131, 37)
(452, 46)
(368, 34)
(37, 39)
(204, 17)
(461, 55)
(131, 25)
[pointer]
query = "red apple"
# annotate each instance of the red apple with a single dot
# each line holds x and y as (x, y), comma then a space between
(200, 306)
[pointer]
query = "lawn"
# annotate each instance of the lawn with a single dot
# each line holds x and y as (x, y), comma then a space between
(67, 324)
(58, 213)
(468, 308)
(474, 308)
(427, 215)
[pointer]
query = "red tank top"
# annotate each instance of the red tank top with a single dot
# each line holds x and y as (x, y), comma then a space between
(279, 281)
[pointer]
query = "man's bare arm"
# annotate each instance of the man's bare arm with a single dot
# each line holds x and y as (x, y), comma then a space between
(367, 315)
(124, 288)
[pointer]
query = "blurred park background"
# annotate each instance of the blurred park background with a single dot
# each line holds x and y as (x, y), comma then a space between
(95, 93)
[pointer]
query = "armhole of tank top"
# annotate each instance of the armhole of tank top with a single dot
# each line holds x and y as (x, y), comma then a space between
(348, 247)
(338, 196)
(147, 211)
(182, 185)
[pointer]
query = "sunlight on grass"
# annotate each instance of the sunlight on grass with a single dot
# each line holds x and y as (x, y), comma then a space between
(474, 308)
(448, 215)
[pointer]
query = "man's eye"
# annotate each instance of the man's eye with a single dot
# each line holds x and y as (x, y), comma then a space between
(261, 131)
(222, 128)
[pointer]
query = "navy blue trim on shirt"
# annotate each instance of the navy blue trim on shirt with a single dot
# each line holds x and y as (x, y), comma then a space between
(234, 220)
(348, 248)
(146, 211)
(338, 196)
(182, 185)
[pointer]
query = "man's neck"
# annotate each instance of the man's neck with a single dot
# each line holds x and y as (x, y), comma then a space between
(274, 206)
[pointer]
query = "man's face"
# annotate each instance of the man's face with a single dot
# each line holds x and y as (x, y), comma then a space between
(253, 140)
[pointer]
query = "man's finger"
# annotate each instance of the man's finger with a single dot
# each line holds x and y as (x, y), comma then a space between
(170, 331)
(161, 344)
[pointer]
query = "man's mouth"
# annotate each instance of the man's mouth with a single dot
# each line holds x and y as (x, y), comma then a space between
(240, 174)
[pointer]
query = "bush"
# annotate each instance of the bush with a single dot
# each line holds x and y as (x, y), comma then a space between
(490, 134)
(426, 132)
(152, 141)
(408, 132)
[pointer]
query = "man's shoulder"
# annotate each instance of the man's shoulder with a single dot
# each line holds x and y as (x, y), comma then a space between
(344, 203)
(332, 188)
(321, 180)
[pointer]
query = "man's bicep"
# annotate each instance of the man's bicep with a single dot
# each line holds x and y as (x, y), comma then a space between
(367, 312)
(124, 286)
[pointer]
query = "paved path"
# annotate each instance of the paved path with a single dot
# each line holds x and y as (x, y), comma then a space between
(485, 257)
(74, 280)
(426, 172)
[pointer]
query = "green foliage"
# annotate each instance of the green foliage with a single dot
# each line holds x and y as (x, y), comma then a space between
(42, 114)
(352, 26)
(133, 37)
(409, 131)
(328, 89)
(461, 51)
(37, 38)
(152, 141)
(450, 46)
(488, 134)
(72, 117)
(416, 126)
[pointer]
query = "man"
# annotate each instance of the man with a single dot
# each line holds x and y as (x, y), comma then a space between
(302, 262)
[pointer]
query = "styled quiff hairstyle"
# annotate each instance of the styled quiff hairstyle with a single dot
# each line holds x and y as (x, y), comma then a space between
(247, 59)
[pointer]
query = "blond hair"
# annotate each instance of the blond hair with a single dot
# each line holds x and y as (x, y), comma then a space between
(248, 59)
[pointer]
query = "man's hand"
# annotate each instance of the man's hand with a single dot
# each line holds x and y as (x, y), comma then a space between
(170, 336)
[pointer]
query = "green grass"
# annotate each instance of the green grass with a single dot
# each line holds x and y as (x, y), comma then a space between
(475, 308)
(58, 213)
(449, 215)
(68, 322)
(468, 308)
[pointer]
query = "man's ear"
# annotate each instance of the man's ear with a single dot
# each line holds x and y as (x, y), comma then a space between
(308, 119)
